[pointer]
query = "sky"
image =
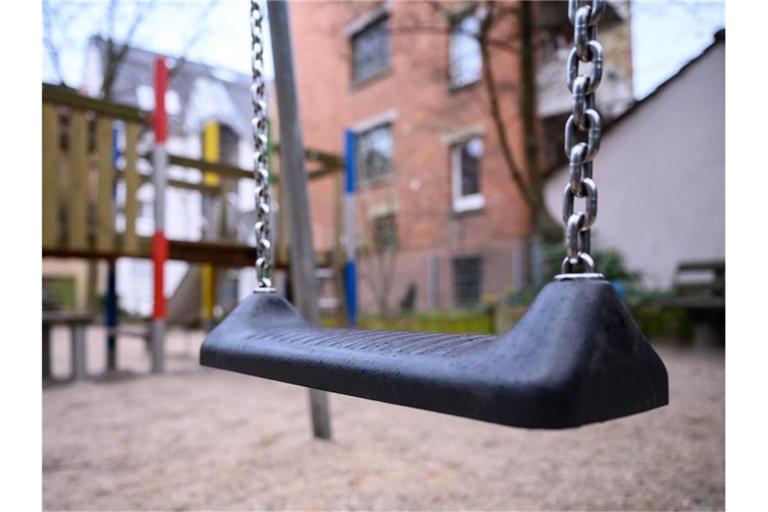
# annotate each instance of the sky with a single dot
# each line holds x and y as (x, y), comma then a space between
(665, 35)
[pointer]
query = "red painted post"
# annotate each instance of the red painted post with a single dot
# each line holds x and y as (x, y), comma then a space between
(159, 117)
(159, 257)
(159, 241)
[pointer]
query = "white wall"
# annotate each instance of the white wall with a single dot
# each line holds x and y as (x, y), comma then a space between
(661, 176)
(183, 216)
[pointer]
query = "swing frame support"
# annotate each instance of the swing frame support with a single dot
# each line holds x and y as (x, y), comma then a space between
(294, 179)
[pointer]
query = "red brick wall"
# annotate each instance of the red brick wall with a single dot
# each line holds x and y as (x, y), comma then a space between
(416, 87)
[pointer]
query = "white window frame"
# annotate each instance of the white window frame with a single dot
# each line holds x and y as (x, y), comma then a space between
(462, 203)
(367, 18)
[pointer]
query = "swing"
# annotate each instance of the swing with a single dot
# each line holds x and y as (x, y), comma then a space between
(576, 356)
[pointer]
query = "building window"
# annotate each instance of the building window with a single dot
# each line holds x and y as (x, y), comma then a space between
(465, 175)
(370, 49)
(467, 276)
(385, 233)
(466, 60)
(374, 153)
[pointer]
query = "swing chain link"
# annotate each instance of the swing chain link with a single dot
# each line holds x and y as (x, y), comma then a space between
(260, 155)
(584, 123)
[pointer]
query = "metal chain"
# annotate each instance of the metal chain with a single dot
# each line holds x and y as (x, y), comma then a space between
(584, 123)
(260, 156)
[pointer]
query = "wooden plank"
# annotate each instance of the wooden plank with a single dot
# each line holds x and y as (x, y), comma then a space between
(714, 265)
(132, 181)
(199, 187)
(91, 253)
(230, 171)
(78, 182)
(328, 160)
(51, 159)
(56, 94)
(214, 167)
(217, 253)
(692, 303)
(185, 185)
(716, 286)
(105, 218)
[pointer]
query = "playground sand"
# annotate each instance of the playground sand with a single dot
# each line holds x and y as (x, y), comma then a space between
(201, 439)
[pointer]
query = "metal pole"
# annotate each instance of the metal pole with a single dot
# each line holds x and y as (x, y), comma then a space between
(77, 334)
(47, 350)
(294, 180)
(111, 317)
(159, 242)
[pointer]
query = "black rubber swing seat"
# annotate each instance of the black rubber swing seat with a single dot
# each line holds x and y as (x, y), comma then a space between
(576, 357)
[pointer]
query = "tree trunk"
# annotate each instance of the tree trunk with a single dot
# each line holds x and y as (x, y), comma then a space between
(544, 229)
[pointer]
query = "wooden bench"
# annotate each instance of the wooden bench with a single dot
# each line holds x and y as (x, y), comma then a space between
(77, 323)
(700, 292)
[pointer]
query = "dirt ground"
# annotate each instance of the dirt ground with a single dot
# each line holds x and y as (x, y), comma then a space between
(202, 439)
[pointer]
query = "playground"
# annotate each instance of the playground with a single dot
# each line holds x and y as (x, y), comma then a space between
(220, 272)
(199, 439)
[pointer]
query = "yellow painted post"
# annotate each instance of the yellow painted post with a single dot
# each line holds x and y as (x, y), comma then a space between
(130, 241)
(78, 182)
(105, 223)
(51, 159)
(207, 272)
(211, 137)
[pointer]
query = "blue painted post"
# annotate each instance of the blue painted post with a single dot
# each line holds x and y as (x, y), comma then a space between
(110, 316)
(350, 238)
(110, 304)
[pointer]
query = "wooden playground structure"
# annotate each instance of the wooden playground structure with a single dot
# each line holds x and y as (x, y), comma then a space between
(83, 165)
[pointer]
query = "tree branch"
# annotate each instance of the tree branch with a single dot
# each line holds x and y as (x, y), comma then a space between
(53, 52)
(197, 34)
(489, 80)
(115, 58)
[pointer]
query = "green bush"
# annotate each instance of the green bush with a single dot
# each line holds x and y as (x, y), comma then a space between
(454, 322)
(656, 322)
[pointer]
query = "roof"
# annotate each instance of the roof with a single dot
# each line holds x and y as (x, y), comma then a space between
(718, 38)
(204, 92)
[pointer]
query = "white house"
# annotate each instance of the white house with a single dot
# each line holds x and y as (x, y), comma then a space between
(661, 174)
(197, 94)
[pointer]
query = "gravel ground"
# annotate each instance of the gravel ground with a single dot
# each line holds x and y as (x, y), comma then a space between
(196, 438)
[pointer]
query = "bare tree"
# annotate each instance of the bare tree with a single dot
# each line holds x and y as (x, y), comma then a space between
(504, 28)
(115, 52)
(57, 17)
(50, 47)
(379, 251)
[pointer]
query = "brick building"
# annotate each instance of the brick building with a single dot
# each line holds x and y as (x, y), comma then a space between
(438, 211)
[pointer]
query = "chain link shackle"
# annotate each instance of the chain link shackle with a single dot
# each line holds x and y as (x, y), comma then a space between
(584, 123)
(260, 155)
